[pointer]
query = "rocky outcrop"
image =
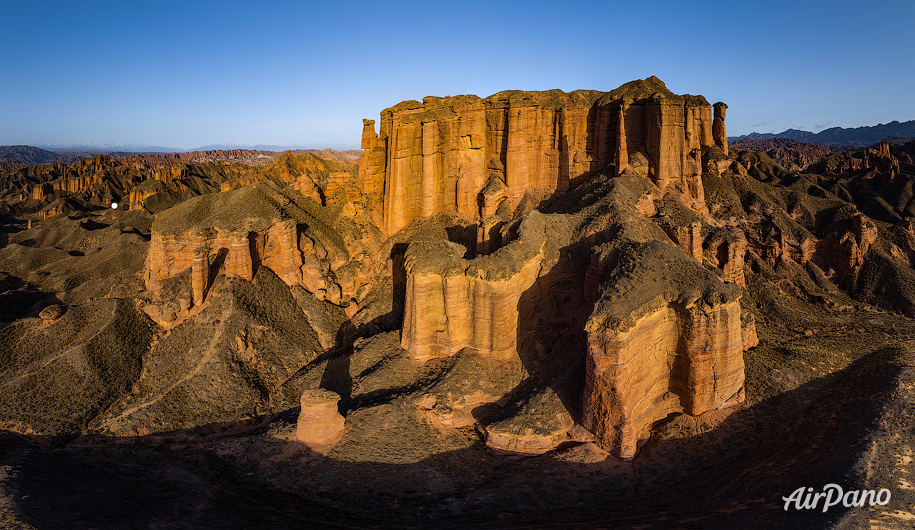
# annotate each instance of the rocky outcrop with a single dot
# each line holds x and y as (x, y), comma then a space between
(320, 423)
(792, 155)
(665, 336)
(240, 251)
(718, 130)
(846, 254)
(541, 425)
(441, 154)
(259, 226)
(453, 303)
(200, 274)
(886, 159)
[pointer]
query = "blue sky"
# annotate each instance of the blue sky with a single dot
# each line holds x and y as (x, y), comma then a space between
(188, 74)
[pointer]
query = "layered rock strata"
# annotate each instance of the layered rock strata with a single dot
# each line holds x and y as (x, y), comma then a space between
(665, 336)
(453, 303)
(320, 423)
(200, 273)
(259, 226)
(443, 153)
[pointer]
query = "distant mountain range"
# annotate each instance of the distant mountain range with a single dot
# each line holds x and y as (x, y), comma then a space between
(106, 148)
(13, 157)
(857, 137)
(272, 147)
(137, 148)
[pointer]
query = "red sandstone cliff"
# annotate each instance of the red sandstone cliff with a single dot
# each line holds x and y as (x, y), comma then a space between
(442, 153)
(453, 303)
(669, 339)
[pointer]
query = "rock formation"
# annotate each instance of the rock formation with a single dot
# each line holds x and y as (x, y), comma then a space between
(718, 130)
(200, 273)
(258, 226)
(663, 342)
(557, 272)
(453, 303)
(320, 423)
(790, 154)
(443, 153)
(681, 356)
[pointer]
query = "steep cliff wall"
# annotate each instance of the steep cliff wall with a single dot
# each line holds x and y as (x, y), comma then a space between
(665, 336)
(440, 154)
(453, 303)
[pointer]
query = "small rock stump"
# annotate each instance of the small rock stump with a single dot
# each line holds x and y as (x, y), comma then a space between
(320, 423)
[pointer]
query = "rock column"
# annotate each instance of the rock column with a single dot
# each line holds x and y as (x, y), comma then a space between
(200, 274)
(240, 256)
(718, 132)
(733, 265)
(320, 423)
(622, 150)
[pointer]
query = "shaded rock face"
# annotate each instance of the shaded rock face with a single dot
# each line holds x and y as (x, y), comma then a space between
(440, 154)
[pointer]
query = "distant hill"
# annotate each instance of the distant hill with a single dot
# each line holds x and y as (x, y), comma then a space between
(111, 148)
(838, 137)
(31, 155)
(268, 147)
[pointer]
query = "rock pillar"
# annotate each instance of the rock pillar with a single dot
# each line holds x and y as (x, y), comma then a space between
(733, 264)
(369, 136)
(200, 273)
(488, 237)
(622, 150)
(239, 260)
(718, 132)
(320, 423)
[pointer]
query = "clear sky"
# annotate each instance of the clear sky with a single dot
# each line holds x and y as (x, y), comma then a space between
(194, 73)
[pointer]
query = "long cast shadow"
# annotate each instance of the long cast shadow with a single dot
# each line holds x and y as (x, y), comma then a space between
(731, 477)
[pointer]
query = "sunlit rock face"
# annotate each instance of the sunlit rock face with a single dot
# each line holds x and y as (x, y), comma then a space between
(320, 423)
(453, 303)
(665, 336)
(440, 154)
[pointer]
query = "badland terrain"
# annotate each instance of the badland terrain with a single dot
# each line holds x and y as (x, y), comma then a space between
(535, 309)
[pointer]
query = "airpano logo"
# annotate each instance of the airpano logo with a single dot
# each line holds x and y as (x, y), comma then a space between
(832, 495)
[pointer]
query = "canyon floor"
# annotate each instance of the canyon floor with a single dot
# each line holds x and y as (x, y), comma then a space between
(832, 407)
